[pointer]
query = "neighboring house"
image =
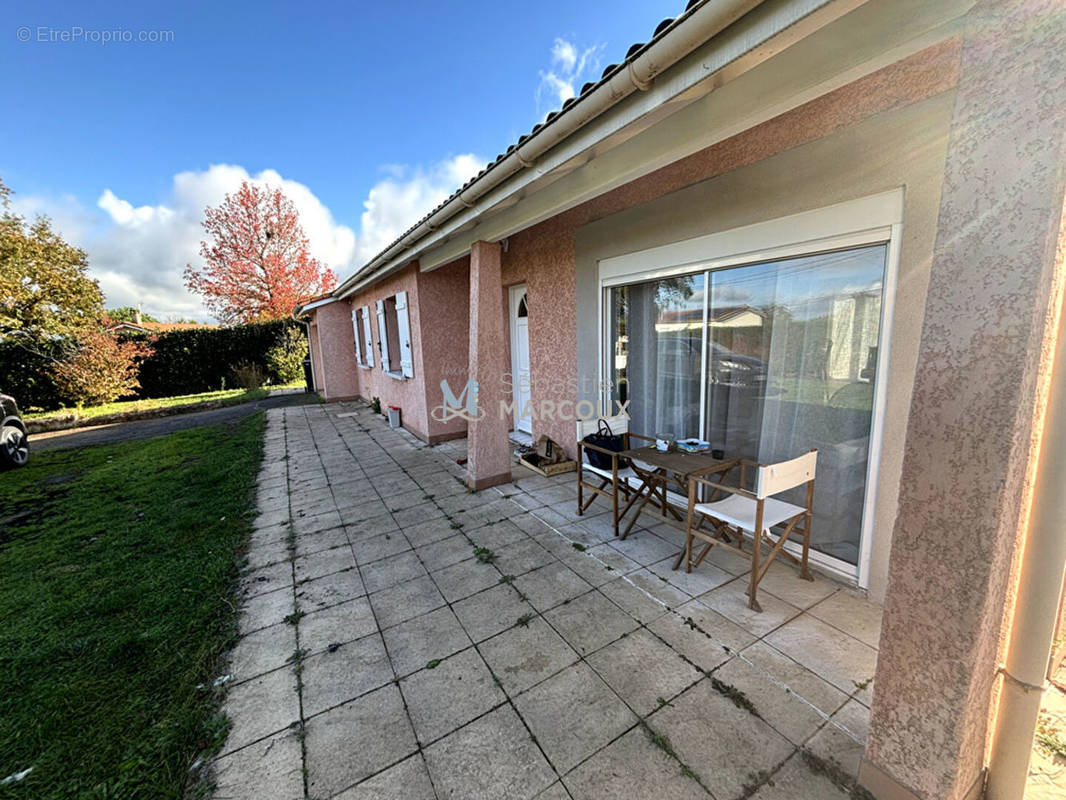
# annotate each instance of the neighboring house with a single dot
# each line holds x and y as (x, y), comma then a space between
(137, 325)
(781, 225)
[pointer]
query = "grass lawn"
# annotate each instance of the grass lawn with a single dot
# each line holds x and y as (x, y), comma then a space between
(226, 397)
(118, 565)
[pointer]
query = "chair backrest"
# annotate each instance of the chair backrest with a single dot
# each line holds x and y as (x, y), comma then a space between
(618, 424)
(773, 479)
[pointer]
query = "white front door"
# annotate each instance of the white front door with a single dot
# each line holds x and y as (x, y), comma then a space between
(520, 357)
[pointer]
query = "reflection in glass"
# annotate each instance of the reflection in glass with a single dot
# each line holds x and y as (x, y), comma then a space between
(791, 351)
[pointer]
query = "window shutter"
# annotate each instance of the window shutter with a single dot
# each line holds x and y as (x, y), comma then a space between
(355, 335)
(403, 328)
(383, 334)
(368, 341)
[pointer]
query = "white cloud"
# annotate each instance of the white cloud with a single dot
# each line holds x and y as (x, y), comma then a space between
(138, 253)
(405, 196)
(570, 67)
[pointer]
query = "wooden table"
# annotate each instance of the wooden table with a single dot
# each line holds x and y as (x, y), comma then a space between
(676, 466)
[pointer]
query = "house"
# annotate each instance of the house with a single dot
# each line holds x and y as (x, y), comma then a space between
(864, 202)
(137, 325)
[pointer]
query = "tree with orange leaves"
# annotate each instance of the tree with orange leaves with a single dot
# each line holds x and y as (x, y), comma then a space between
(257, 265)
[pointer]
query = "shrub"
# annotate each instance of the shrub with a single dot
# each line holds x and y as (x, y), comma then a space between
(101, 369)
(286, 359)
(249, 376)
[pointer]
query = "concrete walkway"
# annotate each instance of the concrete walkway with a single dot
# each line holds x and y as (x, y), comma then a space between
(404, 638)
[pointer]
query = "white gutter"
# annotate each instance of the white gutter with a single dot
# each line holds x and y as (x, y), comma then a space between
(690, 30)
(1040, 581)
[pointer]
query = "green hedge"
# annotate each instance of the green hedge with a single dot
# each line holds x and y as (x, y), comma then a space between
(182, 362)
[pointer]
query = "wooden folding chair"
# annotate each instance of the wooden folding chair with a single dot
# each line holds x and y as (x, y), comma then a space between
(741, 513)
(617, 477)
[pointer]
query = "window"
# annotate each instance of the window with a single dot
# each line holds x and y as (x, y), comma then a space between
(364, 348)
(764, 360)
(394, 336)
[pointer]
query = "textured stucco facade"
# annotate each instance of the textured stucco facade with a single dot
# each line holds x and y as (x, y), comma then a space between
(970, 129)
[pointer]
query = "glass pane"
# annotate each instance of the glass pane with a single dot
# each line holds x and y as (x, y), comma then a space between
(656, 349)
(793, 348)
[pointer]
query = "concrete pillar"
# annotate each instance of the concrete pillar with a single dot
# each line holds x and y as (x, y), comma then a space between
(976, 411)
(489, 452)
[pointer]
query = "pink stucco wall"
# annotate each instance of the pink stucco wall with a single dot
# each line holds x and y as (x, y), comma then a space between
(336, 346)
(444, 333)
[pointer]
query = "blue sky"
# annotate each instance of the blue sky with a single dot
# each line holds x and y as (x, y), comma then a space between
(366, 113)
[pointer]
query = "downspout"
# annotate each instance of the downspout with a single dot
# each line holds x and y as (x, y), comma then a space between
(690, 30)
(1040, 582)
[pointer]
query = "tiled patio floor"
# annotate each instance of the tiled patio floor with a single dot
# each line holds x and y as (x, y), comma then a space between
(381, 658)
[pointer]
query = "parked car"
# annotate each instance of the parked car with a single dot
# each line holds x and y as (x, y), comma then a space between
(14, 443)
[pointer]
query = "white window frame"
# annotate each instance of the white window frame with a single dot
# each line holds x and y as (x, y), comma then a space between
(877, 219)
(368, 339)
(357, 334)
(403, 336)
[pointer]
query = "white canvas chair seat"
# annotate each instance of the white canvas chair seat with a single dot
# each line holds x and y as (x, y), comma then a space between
(624, 473)
(740, 511)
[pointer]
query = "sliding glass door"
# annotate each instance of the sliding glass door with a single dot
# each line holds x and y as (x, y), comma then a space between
(766, 361)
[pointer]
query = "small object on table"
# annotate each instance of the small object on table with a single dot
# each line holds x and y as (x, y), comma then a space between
(718, 454)
(693, 446)
(664, 442)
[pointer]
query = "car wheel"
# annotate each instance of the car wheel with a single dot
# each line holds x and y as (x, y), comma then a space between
(14, 447)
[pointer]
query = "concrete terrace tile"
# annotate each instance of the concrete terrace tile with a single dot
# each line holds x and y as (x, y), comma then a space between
(702, 648)
(726, 753)
(408, 780)
(842, 740)
(487, 613)
(731, 601)
(351, 670)
(526, 654)
(404, 601)
(633, 767)
(265, 610)
(702, 579)
(362, 530)
(498, 535)
(446, 552)
(357, 740)
(573, 714)
(659, 588)
(263, 555)
(330, 590)
(302, 526)
(714, 624)
(551, 585)
(795, 779)
(819, 693)
(641, 669)
(381, 546)
(266, 579)
(317, 542)
(644, 547)
(260, 707)
(261, 651)
(270, 768)
(439, 700)
(324, 562)
(589, 569)
(522, 556)
(633, 600)
(589, 622)
(464, 579)
(853, 615)
(554, 792)
(612, 557)
(429, 531)
(417, 513)
(390, 571)
(784, 582)
(491, 758)
(337, 624)
(414, 643)
(364, 512)
(845, 662)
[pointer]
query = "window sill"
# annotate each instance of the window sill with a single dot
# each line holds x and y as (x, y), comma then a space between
(364, 366)
(396, 376)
